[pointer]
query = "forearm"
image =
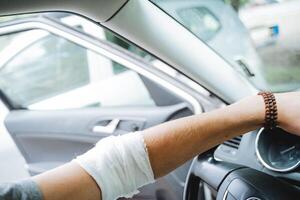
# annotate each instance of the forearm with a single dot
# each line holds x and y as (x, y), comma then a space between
(173, 143)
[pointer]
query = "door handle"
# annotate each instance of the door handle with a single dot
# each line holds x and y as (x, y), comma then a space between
(110, 128)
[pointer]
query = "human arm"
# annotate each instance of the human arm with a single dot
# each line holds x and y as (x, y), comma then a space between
(171, 144)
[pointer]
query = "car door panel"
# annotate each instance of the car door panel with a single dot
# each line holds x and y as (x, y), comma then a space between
(50, 138)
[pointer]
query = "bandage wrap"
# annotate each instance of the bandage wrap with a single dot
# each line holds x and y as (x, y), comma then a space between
(119, 165)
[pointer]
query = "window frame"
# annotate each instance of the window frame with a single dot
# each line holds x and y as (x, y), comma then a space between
(105, 49)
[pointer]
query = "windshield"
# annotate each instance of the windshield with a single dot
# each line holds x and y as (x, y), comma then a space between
(259, 38)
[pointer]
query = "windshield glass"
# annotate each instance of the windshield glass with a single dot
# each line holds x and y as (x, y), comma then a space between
(259, 38)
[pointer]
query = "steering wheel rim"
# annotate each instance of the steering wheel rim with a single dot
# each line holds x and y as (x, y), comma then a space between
(229, 179)
(193, 182)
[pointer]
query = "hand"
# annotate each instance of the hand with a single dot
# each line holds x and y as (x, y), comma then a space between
(288, 105)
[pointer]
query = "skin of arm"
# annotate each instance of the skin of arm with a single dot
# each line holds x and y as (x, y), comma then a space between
(173, 143)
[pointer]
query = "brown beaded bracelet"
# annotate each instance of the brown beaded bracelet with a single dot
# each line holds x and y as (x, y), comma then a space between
(271, 114)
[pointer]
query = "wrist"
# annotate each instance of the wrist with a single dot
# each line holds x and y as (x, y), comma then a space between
(252, 111)
(256, 109)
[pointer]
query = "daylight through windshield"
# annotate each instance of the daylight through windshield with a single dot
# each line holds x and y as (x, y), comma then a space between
(259, 38)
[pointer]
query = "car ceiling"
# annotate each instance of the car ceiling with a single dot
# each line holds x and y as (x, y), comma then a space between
(154, 31)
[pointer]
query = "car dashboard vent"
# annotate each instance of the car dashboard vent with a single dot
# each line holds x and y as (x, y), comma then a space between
(234, 142)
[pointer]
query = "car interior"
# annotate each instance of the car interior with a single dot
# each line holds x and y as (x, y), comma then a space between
(74, 72)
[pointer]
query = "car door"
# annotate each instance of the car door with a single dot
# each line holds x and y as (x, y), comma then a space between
(66, 90)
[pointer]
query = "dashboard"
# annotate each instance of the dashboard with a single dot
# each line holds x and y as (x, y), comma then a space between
(274, 152)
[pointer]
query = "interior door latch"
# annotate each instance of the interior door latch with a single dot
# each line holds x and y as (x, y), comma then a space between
(110, 128)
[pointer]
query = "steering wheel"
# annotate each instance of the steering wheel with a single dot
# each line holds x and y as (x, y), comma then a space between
(234, 182)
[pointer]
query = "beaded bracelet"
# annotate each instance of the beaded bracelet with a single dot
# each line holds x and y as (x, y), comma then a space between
(271, 114)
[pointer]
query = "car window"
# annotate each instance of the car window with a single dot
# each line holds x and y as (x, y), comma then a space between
(43, 61)
(200, 21)
(46, 71)
(258, 38)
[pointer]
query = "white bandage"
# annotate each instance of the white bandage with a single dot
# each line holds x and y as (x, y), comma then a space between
(119, 165)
